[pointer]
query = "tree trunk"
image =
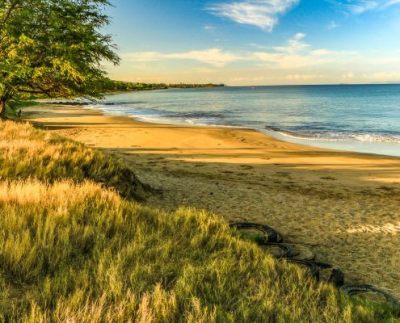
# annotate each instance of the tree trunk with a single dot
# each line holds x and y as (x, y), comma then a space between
(2, 109)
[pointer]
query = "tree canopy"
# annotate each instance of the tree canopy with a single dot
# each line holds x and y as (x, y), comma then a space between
(53, 48)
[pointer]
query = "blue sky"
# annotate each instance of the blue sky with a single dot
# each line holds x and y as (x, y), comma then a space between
(255, 42)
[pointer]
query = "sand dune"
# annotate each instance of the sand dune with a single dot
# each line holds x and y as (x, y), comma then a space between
(345, 206)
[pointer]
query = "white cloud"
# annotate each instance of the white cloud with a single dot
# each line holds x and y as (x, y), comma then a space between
(391, 3)
(358, 7)
(212, 56)
(265, 65)
(361, 6)
(295, 44)
(260, 13)
(296, 53)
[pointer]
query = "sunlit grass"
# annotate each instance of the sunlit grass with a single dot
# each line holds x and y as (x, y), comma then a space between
(27, 152)
(72, 250)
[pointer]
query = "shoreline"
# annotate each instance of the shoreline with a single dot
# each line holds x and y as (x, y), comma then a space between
(274, 135)
(373, 143)
(339, 203)
(382, 148)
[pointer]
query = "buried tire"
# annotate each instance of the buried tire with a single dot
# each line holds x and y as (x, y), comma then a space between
(278, 250)
(331, 275)
(355, 290)
(301, 252)
(270, 234)
(312, 267)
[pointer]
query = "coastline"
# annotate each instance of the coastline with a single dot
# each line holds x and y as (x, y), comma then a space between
(365, 146)
(384, 149)
(293, 119)
(339, 203)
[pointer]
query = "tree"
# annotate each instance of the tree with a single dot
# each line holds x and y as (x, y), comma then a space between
(53, 48)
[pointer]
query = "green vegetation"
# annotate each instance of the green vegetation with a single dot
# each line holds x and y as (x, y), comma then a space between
(33, 153)
(53, 48)
(76, 245)
(108, 85)
(14, 107)
(73, 250)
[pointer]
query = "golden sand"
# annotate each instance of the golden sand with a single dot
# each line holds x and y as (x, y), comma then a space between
(344, 206)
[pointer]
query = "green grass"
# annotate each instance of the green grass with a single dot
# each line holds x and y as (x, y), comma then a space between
(73, 250)
(27, 152)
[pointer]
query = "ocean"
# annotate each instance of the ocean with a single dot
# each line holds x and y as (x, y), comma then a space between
(360, 118)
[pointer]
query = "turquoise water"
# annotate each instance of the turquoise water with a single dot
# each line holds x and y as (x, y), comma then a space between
(362, 118)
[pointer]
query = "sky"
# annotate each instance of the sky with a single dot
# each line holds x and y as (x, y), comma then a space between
(256, 42)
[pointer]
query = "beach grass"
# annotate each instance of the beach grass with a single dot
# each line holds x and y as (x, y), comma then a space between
(27, 152)
(73, 249)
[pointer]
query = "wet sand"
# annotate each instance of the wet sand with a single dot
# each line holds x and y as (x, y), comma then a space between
(344, 206)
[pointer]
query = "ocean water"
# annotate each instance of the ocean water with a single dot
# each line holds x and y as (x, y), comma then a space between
(361, 118)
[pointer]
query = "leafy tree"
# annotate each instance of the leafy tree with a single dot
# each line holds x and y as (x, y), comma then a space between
(53, 48)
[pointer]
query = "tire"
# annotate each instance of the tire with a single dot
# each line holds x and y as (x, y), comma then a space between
(301, 252)
(353, 290)
(271, 235)
(286, 250)
(312, 268)
(336, 278)
(323, 265)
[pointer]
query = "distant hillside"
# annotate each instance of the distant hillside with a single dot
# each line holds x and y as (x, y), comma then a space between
(117, 86)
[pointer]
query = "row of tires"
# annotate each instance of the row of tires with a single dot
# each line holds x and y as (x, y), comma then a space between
(273, 242)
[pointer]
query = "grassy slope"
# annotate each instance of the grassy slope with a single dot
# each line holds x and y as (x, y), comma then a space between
(28, 152)
(73, 250)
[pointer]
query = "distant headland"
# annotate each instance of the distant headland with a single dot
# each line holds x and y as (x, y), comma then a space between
(109, 85)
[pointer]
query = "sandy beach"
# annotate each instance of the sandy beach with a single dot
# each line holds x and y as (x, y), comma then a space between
(344, 206)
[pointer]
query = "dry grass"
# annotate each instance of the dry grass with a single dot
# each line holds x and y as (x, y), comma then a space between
(74, 251)
(27, 152)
